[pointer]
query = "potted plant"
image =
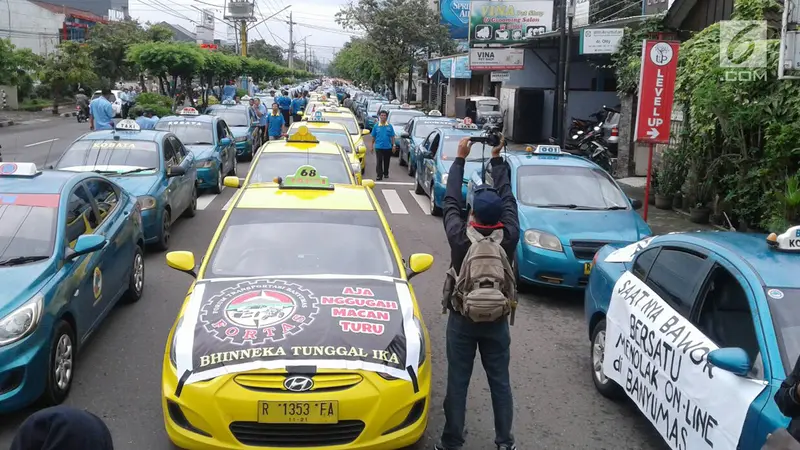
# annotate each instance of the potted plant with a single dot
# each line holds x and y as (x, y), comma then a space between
(677, 200)
(700, 212)
(668, 180)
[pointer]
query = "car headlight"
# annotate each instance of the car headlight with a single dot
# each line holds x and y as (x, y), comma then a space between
(543, 240)
(173, 358)
(147, 202)
(422, 354)
(204, 164)
(444, 178)
(241, 139)
(22, 321)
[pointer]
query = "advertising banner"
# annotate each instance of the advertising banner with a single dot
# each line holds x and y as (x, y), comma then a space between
(656, 91)
(238, 325)
(502, 23)
(496, 59)
(498, 77)
(461, 67)
(455, 16)
(446, 67)
(600, 41)
(433, 66)
(581, 18)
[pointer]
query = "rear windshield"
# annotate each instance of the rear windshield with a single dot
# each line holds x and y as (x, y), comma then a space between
(348, 122)
(190, 132)
(234, 117)
(784, 306)
(564, 186)
(271, 165)
(89, 154)
(298, 242)
(27, 225)
(402, 117)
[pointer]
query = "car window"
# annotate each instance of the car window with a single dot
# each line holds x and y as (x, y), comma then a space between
(644, 261)
(348, 122)
(725, 316)
(234, 117)
(337, 137)
(180, 150)
(402, 117)
(784, 307)
(80, 216)
(170, 156)
(270, 165)
(28, 227)
(450, 148)
(434, 146)
(424, 128)
(298, 242)
(675, 275)
(104, 194)
(109, 155)
(540, 185)
(190, 132)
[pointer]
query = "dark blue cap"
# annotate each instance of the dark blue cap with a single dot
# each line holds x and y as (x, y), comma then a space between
(487, 206)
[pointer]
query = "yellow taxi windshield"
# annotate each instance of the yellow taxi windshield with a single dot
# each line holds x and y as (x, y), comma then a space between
(271, 165)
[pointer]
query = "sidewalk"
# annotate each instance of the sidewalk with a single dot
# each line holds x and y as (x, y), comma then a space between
(9, 117)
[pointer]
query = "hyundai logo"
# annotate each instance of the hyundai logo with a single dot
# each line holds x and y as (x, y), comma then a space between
(298, 383)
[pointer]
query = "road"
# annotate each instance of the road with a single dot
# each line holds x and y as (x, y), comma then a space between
(118, 371)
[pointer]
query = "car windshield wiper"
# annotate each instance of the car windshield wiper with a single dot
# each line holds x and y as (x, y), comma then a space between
(555, 205)
(141, 169)
(22, 260)
(202, 143)
(615, 208)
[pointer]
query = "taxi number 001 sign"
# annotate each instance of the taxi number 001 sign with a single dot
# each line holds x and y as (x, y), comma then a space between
(298, 412)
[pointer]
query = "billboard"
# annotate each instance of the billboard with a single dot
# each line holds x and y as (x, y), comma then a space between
(455, 16)
(446, 67)
(239, 9)
(461, 67)
(497, 59)
(502, 23)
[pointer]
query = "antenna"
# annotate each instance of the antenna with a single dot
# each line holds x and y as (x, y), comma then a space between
(47, 158)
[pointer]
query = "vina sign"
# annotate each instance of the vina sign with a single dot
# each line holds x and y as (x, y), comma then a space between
(656, 91)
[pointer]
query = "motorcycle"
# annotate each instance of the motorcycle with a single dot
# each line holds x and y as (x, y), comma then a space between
(81, 114)
(593, 146)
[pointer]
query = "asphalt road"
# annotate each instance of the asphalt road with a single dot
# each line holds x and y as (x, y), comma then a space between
(118, 372)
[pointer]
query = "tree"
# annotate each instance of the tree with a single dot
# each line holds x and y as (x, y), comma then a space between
(17, 66)
(108, 43)
(174, 59)
(357, 61)
(69, 65)
(261, 50)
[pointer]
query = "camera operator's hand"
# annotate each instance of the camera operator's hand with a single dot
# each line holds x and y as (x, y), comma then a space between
(464, 146)
(496, 150)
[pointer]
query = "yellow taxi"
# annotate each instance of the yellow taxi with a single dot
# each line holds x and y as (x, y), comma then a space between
(316, 105)
(345, 117)
(328, 131)
(276, 158)
(301, 328)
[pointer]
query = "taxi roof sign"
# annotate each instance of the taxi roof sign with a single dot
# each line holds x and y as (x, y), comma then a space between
(788, 241)
(246, 97)
(302, 135)
(465, 126)
(189, 111)
(435, 113)
(406, 106)
(546, 150)
(394, 102)
(317, 118)
(19, 170)
(305, 177)
(128, 125)
(228, 101)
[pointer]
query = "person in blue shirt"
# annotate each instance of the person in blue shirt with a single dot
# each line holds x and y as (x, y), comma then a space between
(152, 118)
(261, 114)
(285, 105)
(144, 122)
(297, 108)
(229, 91)
(276, 126)
(382, 145)
(101, 113)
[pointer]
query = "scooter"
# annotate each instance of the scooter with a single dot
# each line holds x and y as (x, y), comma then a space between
(81, 115)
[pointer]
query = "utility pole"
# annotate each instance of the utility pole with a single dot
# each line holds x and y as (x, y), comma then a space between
(558, 127)
(305, 55)
(565, 98)
(243, 37)
(291, 41)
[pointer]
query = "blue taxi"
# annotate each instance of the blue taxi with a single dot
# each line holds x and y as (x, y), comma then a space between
(244, 126)
(210, 140)
(569, 207)
(152, 165)
(414, 134)
(727, 303)
(435, 156)
(72, 247)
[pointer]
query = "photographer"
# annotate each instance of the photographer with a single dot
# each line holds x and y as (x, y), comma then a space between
(788, 399)
(493, 232)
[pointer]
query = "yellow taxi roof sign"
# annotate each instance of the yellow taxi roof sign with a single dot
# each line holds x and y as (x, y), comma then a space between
(302, 135)
(305, 177)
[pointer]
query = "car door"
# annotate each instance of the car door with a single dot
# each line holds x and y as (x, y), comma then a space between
(231, 147)
(84, 282)
(222, 150)
(185, 159)
(430, 163)
(175, 195)
(112, 224)
(419, 160)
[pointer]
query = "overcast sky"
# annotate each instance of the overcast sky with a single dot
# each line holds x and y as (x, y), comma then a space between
(314, 21)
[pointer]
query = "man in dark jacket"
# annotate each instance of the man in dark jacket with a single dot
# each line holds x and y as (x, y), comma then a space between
(491, 209)
(62, 428)
(788, 399)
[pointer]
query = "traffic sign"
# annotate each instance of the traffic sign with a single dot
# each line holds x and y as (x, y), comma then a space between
(656, 91)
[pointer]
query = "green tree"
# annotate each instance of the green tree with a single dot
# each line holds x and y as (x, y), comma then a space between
(261, 50)
(17, 66)
(217, 68)
(69, 65)
(158, 33)
(169, 59)
(357, 61)
(108, 44)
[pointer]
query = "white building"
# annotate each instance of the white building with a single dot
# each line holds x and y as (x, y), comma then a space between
(41, 26)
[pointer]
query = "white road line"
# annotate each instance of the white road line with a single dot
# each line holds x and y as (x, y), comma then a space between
(42, 142)
(423, 202)
(205, 200)
(393, 183)
(393, 200)
(229, 202)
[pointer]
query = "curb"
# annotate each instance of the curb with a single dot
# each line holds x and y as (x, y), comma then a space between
(69, 114)
(6, 123)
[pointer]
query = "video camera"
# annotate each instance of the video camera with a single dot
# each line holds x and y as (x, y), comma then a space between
(492, 136)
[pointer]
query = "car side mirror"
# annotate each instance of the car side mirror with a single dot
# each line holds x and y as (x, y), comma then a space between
(225, 141)
(232, 182)
(176, 171)
(427, 155)
(636, 203)
(368, 183)
(404, 135)
(365, 132)
(85, 244)
(418, 263)
(182, 261)
(731, 359)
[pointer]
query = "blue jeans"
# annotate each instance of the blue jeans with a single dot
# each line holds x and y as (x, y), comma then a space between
(494, 342)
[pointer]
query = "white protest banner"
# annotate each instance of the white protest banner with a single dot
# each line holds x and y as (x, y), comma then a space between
(626, 254)
(659, 359)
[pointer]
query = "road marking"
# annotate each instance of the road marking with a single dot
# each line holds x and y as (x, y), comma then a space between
(393, 183)
(423, 202)
(229, 202)
(393, 200)
(42, 142)
(204, 201)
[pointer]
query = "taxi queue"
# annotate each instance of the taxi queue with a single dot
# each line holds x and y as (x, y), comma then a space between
(83, 229)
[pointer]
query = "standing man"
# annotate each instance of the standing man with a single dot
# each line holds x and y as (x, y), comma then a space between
(152, 119)
(276, 126)
(285, 105)
(229, 91)
(382, 145)
(297, 106)
(493, 221)
(101, 113)
(144, 122)
(261, 113)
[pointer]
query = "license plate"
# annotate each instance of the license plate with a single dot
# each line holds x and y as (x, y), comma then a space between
(298, 412)
(587, 268)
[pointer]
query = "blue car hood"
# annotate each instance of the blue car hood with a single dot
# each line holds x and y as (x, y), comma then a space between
(470, 167)
(201, 152)
(607, 226)
(137, 184)
(22, 282)
(240, 131)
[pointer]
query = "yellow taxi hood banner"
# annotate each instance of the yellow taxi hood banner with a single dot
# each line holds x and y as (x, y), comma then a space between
(330, 322)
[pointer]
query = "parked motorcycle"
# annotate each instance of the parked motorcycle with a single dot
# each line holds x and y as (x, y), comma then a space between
(593, 146)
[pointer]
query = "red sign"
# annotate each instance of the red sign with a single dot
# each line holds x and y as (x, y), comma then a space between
(656, 91)
(209, 46)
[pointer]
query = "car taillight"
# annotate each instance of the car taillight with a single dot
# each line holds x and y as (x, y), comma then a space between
(615, 131)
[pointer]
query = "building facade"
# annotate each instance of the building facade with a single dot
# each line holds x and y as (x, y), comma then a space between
(99, 7)
(41, 26)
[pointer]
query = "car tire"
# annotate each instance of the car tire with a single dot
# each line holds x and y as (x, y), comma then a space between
(234, 168)
(191, 211)
(217, 189)
(435, 210)
(136, 281)
(61, 366)
(412, 169)
(605, 386)
(418, 187)
(402, 161)
(164, 237)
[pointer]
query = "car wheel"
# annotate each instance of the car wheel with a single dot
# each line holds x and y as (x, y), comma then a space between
(402, 160)
(418, 187)
(411, 169)
(163, 241)
(62, 364)
(606, 386)
(191, 211)
(136, 282)
(435, 210)
(217, 189)
(233, 168)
